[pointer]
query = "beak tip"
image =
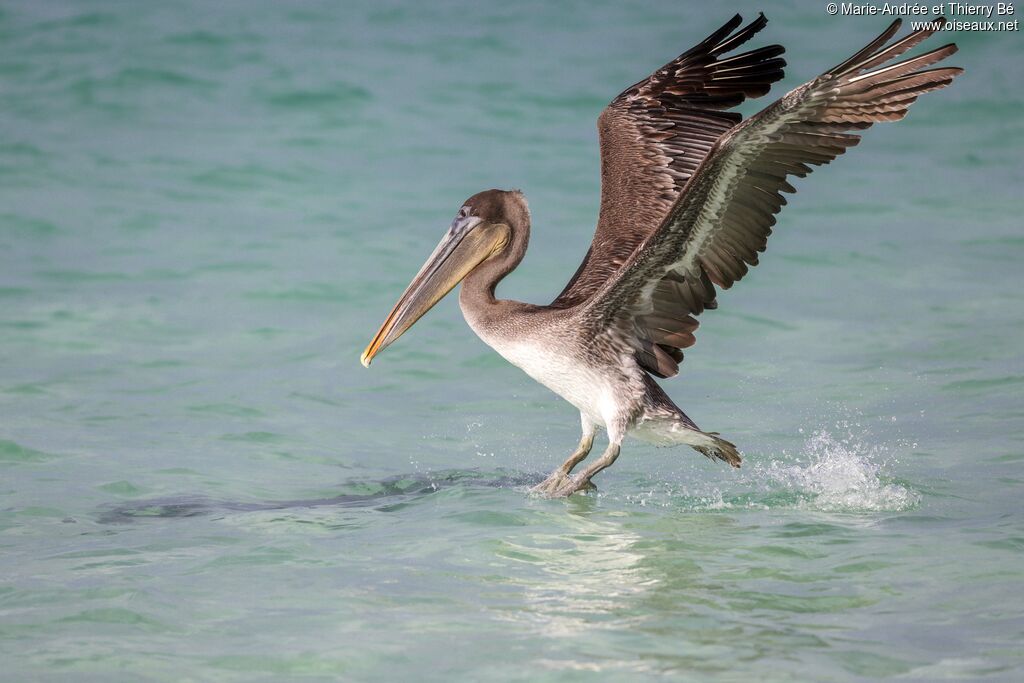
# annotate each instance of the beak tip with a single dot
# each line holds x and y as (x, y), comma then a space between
(365, 360)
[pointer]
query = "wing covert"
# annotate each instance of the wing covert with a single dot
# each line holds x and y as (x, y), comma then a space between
(655, 134)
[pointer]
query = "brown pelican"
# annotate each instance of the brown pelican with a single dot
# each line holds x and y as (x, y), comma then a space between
(689, 194)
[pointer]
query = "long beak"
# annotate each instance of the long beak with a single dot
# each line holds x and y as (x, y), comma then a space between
(461, 250)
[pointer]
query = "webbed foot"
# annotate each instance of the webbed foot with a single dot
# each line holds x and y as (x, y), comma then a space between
(547, 488)
(560, 485)
(573, 485)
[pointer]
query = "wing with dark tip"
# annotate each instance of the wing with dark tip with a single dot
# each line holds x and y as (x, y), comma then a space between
(725, 213)
(656, 133)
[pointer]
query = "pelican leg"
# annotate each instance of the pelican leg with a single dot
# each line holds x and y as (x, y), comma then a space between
(582, 480)
(560, 476)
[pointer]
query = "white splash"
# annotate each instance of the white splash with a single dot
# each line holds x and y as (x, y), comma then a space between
(840, 474)
(838, 469)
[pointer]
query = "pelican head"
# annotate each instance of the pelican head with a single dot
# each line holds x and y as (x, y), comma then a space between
(481, 229)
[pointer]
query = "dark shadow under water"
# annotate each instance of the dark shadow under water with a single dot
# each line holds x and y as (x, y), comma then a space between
(380, 494)
(831, 474)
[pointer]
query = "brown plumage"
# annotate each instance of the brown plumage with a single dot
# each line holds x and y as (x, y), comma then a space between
(655, 134)
(726, 209)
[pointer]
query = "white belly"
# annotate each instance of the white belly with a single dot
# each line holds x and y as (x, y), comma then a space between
(587, 388)
(545, 351)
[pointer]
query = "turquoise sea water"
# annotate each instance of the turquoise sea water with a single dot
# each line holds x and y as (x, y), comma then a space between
(207, 208)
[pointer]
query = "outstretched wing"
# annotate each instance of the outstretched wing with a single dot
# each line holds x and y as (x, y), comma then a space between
(726, 211)
(654, 136)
